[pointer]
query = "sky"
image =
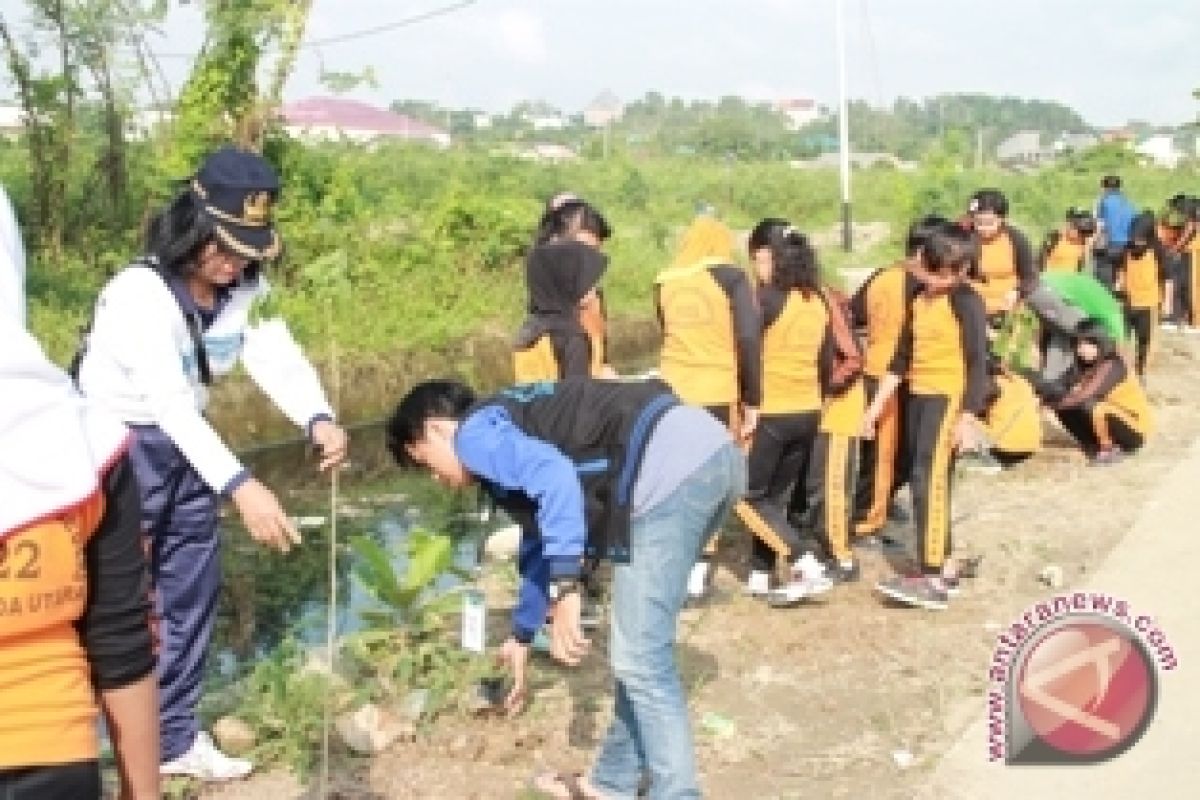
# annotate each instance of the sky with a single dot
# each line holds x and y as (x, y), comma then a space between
(1111, 60)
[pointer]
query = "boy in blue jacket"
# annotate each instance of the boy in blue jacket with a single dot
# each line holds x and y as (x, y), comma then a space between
(592, 469)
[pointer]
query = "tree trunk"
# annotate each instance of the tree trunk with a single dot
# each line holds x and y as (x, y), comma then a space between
(35, 130)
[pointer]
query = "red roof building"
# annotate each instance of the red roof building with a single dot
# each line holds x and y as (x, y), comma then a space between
(335, 118)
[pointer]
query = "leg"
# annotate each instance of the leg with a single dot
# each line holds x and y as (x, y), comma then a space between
(837, 483)
(1140, 323)
(880, 469)
(1078, 424)
(766, 454)
(648, 593)
(932, 438)
(1114, 425)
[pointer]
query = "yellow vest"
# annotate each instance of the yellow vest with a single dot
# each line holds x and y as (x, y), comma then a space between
(938, 365)
(885, 318)
(998, 264)
(699, 354)
(1014, 421)
(1141, 281)
(1065, 257)
(791, 351)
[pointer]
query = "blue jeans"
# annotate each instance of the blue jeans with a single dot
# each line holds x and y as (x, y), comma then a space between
(651, 730)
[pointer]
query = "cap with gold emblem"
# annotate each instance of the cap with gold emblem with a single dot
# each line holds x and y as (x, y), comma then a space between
(239, 189)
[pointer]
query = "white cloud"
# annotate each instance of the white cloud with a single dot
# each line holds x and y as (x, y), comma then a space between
(523, 36)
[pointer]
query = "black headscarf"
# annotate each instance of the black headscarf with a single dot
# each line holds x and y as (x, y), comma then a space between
(559, 274)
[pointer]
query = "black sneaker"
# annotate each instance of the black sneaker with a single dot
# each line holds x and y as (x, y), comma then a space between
(917, 591)
(838, 572)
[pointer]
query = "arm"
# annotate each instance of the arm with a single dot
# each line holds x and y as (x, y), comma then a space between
(840, 360)
(747, 333)
(858, 303)
(1027, 270)
(890, 382)
(1095, 385)
(972, 321)
(573, 351)
(494, 449)
(277, 365)
(1166, 277)
(115, 633)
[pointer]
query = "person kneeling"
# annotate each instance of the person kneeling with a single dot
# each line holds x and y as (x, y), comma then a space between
(592, 469)
(1101, 402)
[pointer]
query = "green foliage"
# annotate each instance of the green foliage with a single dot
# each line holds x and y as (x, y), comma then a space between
(405, 644)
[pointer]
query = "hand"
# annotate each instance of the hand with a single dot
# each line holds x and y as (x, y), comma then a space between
(333, 442)
(749, 424)
(870, 420)
(966, 434)
(567, 643)
(264, 517)
(1010, 299)
(515, 656)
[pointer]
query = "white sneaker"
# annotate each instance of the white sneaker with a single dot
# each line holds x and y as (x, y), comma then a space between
(205, 762)
(698, 580)
(808, 580)
(758, 584)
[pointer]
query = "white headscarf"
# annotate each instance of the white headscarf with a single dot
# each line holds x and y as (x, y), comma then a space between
(54, 446)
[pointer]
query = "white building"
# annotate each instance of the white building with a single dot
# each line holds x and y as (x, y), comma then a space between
(606, 109)
(800, 111)
(1160, 150)
(12, 120)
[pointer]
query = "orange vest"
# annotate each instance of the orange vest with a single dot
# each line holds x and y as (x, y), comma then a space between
(591, 317)
(791, 350)
(699, 354)
(1141, 281)
(998, 263)
(1014, 420)
(885, 318)
(1066, 256)
(47, 703)
(538, 362)
(938, 365)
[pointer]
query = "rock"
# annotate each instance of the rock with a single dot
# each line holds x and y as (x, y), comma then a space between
(718, 726)
(470, 748)
(992, 626)
(1052, 576)
(233, 736)
(371, 729)
(903, 758)
(502, 545)
(309, 523)
(415, 705)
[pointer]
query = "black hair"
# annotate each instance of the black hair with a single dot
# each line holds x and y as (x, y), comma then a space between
(920, 231)
(436, 399)
(1144, 227)
(1110, 182)
(1082, 221)
(569, 217)
(792, 254)
(177, 234)
(951, 248)
(991, 200)
(1093, 330)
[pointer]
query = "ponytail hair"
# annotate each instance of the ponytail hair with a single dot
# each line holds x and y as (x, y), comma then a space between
(792, 254)
(176, 235)
(566, 215)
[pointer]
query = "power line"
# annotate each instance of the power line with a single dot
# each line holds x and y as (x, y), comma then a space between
(341, 38)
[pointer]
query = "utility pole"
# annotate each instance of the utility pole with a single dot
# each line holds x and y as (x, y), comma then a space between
(844, 129)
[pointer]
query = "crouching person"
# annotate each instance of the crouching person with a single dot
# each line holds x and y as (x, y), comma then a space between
(593, 469)
(1101, 402)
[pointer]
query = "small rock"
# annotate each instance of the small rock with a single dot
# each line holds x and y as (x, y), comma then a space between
(1052, 576)
(992, 626)
(371, 729)
(718, 726)
(415, 705)
(309, 523)
(233, 736)
(903, 758)
(502, 545)
(466, 747)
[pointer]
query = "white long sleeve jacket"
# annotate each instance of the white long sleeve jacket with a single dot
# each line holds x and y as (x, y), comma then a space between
(140, 364)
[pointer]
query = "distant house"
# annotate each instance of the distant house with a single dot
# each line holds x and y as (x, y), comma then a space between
(857, 161)
(1124, 135)
(482, 121)
(335, 118)
(142, 122)
(606, 109)
(1023, 148)
(800, 111)
(1075, 142)
(546, 122)
(1160, 150)
(554, 153)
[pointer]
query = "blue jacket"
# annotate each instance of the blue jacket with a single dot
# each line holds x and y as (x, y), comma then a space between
(1116, 213)
(505, 459)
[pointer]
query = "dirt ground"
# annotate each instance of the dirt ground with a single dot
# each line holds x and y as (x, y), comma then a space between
(817, 701)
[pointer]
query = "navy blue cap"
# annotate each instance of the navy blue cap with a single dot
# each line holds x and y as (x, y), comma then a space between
(239, 189)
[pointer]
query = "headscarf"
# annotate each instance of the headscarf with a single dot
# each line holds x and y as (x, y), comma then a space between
(55, 447)
(706, 242)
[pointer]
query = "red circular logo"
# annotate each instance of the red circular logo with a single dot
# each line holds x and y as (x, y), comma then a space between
(1087, 688)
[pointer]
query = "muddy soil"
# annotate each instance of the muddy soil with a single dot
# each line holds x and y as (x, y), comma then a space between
(816, 701)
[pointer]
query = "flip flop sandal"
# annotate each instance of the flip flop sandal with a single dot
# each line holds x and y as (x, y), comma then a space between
(564, 781)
